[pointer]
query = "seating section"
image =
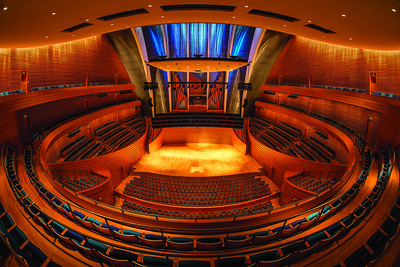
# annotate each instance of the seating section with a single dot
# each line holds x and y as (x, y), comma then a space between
(108, 251)
(281, 255)
(14, 236)
(198, 119)
(333, 122)
(108, 138)
(259, 208)
(312, 183)
(202, 192)
(80, 183)
(287, 139)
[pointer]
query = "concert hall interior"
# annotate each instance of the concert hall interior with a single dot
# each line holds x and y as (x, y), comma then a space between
(191, 134)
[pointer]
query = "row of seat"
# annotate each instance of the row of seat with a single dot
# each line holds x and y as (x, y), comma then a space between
(109, 137)
(10, 232)
(259, 208)
(287, 139)
(371, 250)
(81, 183)
(312, 183)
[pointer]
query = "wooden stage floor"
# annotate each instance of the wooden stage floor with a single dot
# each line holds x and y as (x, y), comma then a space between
(196, 159)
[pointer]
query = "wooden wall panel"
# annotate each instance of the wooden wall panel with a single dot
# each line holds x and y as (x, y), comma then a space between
(62, 64)
(238, 144)
(212, 135)
(157, 143)
(334, 65)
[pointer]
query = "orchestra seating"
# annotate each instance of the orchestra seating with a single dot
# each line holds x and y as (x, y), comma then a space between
(206, 192)
(259, 208)
(108, 138)
(198, 119)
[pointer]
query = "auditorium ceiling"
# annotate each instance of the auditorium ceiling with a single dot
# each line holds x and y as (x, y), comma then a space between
(356, 23)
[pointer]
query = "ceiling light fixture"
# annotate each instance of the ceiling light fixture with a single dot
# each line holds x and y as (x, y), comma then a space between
(234, 17)
(350, 39)
(46, 37)
(343, 15)
(246, 6)
(309, 21)
(112, 24)
(5, 8)
(394, 10)
(87, 19)
(53, 13)
(150, 6)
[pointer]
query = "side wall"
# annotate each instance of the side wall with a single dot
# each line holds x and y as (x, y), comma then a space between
(334, 65)
(61, 64)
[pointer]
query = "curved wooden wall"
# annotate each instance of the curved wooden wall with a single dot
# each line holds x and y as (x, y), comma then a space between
(62, 64)
(335, 65)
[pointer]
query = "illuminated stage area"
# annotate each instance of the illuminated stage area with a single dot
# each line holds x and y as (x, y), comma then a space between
(197, 159)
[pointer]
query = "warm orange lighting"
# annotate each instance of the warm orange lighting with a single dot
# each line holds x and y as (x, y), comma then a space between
(197, 159)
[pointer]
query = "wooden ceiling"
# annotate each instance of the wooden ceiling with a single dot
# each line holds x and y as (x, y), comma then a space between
(362, 24)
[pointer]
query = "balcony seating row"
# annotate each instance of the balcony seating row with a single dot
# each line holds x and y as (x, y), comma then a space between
(312, 183)
(287, 139)
(108, 138)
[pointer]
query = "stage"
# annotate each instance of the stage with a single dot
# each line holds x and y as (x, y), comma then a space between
(197, 159)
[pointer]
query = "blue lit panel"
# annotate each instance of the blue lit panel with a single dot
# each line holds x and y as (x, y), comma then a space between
(198, 39)
(219, 36)
(177, 36)
(243, 37)
(154, 39)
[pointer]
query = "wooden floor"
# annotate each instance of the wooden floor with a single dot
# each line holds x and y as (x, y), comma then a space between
(197, 160)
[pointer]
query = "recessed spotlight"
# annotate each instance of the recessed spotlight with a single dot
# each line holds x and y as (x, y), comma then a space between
(73, 35)
(284, 25)
(92, 33)
(309, 21)
(162, 17)
(169, 20)
(127, 26)
(323, 37)
(350, 39)
(5, 8)
(87, 19)
(53, 13)
(246, 6)
(150, 5)
(394, 10)
(343, 15)
(234, 17)
(46, 37)
(112, 24)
